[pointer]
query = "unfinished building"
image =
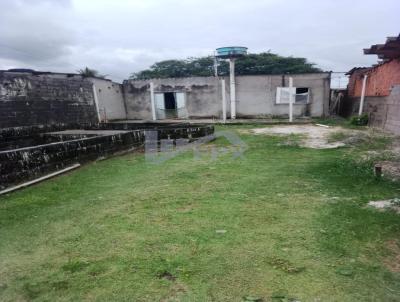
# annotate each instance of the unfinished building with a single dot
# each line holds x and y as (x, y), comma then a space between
(378, 86)
(202, 97)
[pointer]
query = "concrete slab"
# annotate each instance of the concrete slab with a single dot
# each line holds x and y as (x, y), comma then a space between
(316, 136)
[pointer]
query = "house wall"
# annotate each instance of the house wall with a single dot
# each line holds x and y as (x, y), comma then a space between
(255, 95)
(379, 82)
(202, 96)
(34, 99)
(110, 99)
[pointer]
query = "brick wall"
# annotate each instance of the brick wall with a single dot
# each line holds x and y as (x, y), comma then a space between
(34, 99)
(379, 82)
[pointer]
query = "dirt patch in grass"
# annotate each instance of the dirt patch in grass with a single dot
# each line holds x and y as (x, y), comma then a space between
(392, 262)
(316, 137)
(390, 204)
(385, 153)
(390, 168)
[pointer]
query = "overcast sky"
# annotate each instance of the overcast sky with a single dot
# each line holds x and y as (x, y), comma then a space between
(118, 37)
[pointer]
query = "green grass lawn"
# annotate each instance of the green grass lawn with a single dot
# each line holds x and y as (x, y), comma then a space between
(280, 223)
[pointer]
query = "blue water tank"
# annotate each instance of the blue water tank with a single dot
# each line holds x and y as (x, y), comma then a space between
(231, 52)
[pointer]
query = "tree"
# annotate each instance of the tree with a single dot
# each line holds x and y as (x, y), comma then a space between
(251, 64)
(90, 73)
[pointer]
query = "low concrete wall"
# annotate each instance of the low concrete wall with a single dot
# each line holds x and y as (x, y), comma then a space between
(22, 164)
(30, 162)
(255, 96)
(42, 98)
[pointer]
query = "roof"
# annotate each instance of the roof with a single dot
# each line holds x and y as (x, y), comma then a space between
(357, 69)
(389, 50)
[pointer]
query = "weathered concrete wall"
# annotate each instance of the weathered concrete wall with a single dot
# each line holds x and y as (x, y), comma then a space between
(21, 164)
(255, 96)
(375, 106)
(383, 111)
(110, 99)
(25, 136)
(380, 81)
(393, 111)
(202, 96)
(137, 100)
(33, 99)
(31, 162)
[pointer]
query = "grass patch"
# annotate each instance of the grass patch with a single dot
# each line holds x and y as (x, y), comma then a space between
(337, 136)
(280, 222)
(74, 266)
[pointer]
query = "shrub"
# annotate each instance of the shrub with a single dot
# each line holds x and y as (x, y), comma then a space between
(359, 120)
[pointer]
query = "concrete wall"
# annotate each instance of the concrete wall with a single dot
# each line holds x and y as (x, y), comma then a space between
(37, 98)
(202, 96)
(383, 111)
(255, 96)
(392, 122)
(29, 161)
(40, 98)
(110, 99)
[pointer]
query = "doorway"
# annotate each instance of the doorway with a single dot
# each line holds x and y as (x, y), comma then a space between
(169, 101)
(170, 105)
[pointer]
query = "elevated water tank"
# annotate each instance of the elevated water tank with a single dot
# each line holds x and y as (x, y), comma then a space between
(231, 52)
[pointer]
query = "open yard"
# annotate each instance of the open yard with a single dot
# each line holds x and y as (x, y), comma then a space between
(280, 223)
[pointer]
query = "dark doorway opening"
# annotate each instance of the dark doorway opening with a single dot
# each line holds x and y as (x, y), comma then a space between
(169, 100)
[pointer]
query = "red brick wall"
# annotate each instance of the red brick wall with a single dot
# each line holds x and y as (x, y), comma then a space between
(355, 83)
(380, 79)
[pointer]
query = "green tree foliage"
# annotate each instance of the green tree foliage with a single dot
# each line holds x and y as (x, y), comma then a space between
(251, 64)
(90, 73)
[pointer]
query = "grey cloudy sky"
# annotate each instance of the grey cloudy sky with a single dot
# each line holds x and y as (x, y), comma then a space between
(118, 37)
